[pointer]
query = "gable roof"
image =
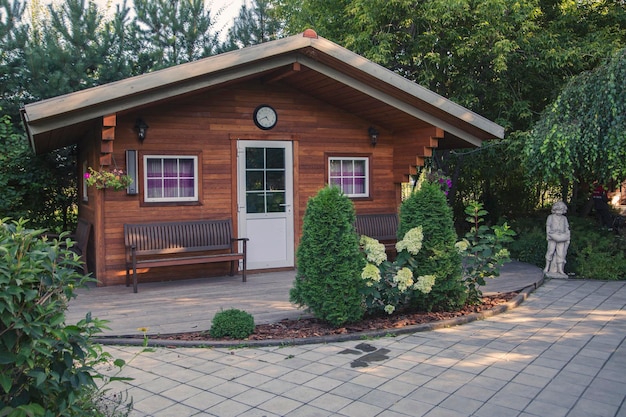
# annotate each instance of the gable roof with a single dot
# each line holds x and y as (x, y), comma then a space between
(306, 62)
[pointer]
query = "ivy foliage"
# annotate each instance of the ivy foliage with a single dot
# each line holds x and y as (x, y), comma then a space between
(582, 135)
(329, 262)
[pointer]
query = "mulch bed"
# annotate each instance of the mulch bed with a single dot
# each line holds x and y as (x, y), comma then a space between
(312, 327)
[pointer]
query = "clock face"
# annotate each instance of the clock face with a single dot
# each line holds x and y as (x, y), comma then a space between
(265, 117)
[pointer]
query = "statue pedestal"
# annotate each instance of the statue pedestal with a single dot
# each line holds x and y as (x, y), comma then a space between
(555, 275)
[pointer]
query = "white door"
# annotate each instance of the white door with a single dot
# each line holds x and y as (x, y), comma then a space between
(265, 193)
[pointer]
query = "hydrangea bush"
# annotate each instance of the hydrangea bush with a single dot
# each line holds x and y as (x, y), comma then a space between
(427, 207)
(389, 285)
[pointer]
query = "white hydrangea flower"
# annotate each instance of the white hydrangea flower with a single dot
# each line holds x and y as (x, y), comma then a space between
(374, 250)
(412, 241)
(425, 283)
(389, 309)
(404, 279)
(371, 272)
(462, 245)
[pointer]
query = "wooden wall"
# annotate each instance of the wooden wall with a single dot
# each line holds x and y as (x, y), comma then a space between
(208, 124)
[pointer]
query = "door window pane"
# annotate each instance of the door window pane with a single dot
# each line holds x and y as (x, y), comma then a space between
(275, 158)
(265, 180)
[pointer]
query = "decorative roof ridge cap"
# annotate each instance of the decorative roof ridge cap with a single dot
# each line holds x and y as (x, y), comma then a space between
(309, 33)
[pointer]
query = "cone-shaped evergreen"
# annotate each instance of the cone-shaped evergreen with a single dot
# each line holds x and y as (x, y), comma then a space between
(427, 207)
(328, 260)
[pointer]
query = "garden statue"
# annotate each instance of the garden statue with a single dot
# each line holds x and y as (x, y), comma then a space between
(558, 236)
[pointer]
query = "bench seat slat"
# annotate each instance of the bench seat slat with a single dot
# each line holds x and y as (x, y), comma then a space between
(190, 260)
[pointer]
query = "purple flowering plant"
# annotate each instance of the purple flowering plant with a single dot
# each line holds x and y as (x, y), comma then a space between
(438, 177)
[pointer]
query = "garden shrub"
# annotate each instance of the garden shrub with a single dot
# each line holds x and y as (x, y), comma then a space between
(530, 246)
(595, 253)
(46, 366)
(427, 207)
(329, 263)
(389, 285)
(482, 250)
(233, 323)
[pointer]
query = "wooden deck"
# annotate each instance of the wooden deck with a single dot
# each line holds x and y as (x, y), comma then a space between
(189, 305)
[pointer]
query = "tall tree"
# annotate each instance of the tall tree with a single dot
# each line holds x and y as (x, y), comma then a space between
(253, 25)
(581, 137)
(40, 188)
(173, 32)
(13, 37)
(505, 59)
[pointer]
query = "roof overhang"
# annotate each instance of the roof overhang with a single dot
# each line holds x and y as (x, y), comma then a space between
(351, 82)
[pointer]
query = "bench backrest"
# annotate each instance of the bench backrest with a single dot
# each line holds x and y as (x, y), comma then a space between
(377, 226)
(83, 229)
(177, 237)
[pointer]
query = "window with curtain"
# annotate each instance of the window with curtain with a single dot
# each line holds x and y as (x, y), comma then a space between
(349, 174)
(170, 178)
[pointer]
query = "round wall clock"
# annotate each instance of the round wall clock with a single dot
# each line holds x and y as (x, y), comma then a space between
(265, 117)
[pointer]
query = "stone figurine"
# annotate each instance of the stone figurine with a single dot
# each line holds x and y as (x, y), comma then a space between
(558, 236)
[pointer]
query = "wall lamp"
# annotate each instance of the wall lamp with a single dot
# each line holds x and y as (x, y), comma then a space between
(373, 133)
(142, 128)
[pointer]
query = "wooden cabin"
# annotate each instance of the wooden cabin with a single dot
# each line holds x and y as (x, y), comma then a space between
(248, 135)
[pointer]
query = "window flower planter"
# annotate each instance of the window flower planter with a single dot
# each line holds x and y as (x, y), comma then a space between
(115, 179)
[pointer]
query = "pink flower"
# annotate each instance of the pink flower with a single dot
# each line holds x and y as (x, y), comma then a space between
(87, 175)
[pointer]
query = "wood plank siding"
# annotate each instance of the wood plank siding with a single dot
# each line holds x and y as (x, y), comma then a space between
(208, 124)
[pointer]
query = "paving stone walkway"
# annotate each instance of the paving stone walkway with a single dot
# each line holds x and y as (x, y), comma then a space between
(560, 353)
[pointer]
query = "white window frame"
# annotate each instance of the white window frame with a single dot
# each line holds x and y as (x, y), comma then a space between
(170, 199)
(366, 192)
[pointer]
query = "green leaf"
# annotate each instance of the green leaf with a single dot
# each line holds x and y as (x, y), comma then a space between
(6, 382)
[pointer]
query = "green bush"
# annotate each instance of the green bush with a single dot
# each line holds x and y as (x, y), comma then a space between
(593, 253)
(482, 250)
(233, 323)
(46, 366)
(428, 207)
(329, 263)
(530, 246)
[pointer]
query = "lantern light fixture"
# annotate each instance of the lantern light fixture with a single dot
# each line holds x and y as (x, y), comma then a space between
(373, 134)
(142, 128)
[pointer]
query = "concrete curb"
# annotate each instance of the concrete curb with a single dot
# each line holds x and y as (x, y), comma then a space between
(128, 341)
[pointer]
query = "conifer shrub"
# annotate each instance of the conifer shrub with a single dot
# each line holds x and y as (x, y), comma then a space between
(427, 207)
(329, 262)
(233, 323)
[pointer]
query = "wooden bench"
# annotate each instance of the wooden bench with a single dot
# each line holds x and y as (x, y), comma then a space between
(171, 243)
(382, 227)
